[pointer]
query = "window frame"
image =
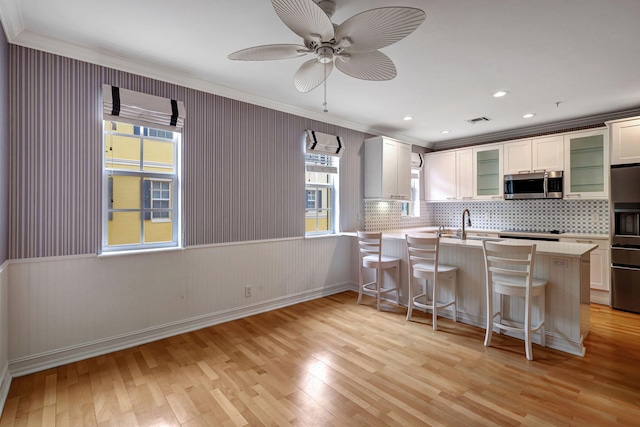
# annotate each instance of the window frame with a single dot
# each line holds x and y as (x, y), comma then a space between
(175, 191)
(332, 209)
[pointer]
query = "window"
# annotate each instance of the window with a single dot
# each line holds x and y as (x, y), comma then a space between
(141, 187)
(412, 208)
(161, 200)
(321, 183)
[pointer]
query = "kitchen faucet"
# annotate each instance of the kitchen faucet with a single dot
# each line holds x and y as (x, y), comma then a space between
(464, 231)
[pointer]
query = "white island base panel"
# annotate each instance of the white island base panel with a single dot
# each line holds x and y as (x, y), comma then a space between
(566, 267)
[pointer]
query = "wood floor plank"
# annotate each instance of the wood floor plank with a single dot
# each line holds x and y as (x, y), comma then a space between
(331, 362)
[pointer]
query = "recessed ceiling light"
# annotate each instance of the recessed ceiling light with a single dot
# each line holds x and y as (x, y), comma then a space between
(528, 115)
(407, 118)
(446, 131)
(500, 94)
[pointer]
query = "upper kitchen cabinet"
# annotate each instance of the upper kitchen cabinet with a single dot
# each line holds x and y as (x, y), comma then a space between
(440, 176)
(625, 141)
(464, 174)
(536, 155)
(586, 174)
(387, 170)
(487, 172)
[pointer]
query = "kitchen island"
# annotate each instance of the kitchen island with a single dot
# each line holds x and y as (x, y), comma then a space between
(564, 265)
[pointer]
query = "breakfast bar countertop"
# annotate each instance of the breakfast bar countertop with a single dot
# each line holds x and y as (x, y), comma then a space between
(567, 249)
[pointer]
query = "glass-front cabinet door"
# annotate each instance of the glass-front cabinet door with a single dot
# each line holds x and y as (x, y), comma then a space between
(487, 176)
(586, 165)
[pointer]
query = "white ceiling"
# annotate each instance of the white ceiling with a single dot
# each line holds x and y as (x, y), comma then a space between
(584, 54)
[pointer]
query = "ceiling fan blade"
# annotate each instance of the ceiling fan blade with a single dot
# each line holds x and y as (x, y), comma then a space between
(305, 18)
(269, 52)
(367, 66)
(377, 28)
(311, 74)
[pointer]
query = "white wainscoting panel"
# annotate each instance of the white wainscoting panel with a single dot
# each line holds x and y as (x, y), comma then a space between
(5, 377)
(69, 308)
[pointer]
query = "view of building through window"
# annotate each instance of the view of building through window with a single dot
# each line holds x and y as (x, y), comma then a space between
(321, 188)
(140, 171)
(412, 208)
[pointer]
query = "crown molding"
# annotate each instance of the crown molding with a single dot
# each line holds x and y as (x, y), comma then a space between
(137, 66)
(547, 128)
(11, 18)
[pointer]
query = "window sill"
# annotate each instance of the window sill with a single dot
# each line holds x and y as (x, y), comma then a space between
(321, 236)
(139, 252)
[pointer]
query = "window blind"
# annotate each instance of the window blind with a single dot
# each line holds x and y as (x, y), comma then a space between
(322, 143)
(321, 163)
(139, 108)
(416, 160)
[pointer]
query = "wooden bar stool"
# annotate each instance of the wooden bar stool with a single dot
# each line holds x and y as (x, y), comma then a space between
(422, 255)
(509, 271)
(370, 254)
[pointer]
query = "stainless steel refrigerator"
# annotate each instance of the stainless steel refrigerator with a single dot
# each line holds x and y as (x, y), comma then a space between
(625, 237)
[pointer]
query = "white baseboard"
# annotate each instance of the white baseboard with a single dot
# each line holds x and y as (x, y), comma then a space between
(600, 297)
(63, 356)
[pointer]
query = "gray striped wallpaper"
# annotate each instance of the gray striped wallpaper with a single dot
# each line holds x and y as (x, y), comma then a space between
(4, 145)
(243, 175)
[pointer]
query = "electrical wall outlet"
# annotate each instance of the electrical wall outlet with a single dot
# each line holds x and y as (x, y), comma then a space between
(487, 215)
(247, 291)
(595, 217)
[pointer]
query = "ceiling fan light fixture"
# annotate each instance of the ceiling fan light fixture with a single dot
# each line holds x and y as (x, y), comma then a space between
(325, 54)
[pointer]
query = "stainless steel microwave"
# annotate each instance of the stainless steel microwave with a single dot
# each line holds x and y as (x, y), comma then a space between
(536, 185)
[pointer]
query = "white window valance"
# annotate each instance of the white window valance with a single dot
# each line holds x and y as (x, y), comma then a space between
(322, 143)
(139, 108)
(416, 160)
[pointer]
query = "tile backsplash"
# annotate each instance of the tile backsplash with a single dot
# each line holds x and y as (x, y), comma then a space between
(568, 216)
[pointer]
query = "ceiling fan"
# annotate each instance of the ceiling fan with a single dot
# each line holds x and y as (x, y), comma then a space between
(351, 46)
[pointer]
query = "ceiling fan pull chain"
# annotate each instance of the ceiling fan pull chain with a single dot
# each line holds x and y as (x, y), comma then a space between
(325, 88)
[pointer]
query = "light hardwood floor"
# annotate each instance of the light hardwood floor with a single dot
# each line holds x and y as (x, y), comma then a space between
(330, 362)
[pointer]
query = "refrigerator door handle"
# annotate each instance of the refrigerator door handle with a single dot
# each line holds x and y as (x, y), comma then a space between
(625, 267)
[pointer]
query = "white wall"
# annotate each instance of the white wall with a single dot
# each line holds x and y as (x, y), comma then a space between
(68, 308)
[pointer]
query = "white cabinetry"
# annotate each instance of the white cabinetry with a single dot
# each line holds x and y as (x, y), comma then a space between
(440, 176)
(547, 153)
(487, 172)
(464, 174)
(387, 171)
(625, 141)
(586, 174)
(517, 157)
(599, 274)
(536, 155)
